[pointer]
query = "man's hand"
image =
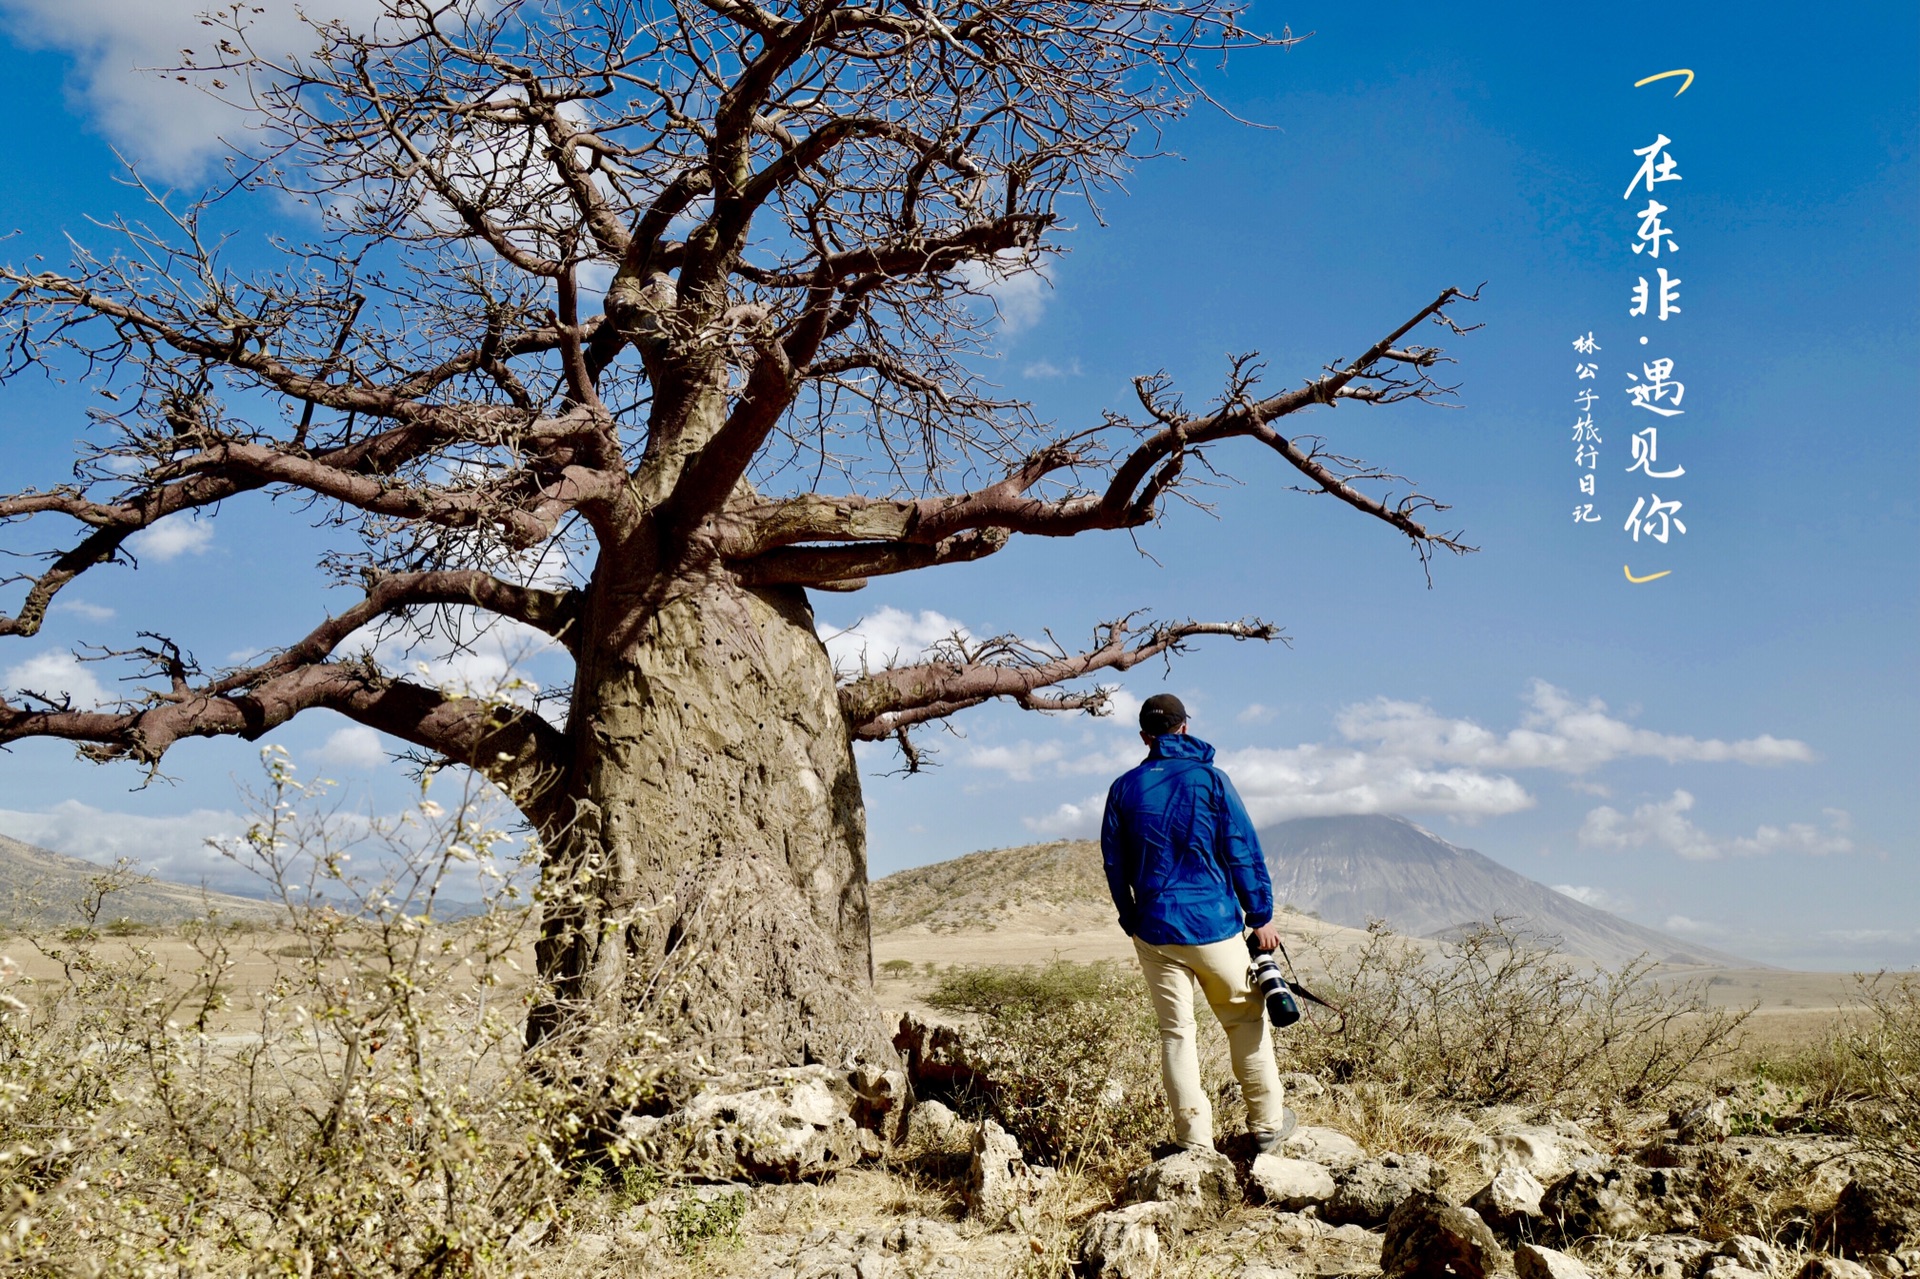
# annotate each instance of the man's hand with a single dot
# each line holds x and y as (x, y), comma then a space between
(1266, 937)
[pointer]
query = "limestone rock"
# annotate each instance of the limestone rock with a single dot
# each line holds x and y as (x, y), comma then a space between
(1200, 1184)
(1261, 1270)
(1728, 1268)
(1126, 1243)
(1324, 1146)
(1668, 1256)
(1429, 1238)
(1833, 1268)
(1298, 1083)
(1876, 1214)
(1292, 1184)
(781, 1125)
(999, 1182)
(1752, 1253)
(1367, 1193)
(1548, 1152)
(936, 1055)
(1531, 1261)
(1623, 1201)
(1702, 1124)
(934, 1128)
(1510, 1203)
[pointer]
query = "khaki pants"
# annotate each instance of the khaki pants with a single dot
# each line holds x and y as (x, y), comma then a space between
(1219, 971)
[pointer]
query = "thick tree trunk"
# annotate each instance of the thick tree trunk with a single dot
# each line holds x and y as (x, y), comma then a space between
(706, 889)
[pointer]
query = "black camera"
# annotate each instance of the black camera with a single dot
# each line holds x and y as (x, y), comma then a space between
(1282, 1008)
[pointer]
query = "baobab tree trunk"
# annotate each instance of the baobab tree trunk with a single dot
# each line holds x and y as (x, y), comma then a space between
(707, 879)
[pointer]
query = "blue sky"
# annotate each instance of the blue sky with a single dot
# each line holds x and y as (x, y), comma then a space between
(1728, 751)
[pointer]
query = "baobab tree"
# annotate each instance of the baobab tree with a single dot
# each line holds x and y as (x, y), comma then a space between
(635, 322)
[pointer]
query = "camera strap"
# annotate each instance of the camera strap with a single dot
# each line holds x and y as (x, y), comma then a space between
(1293, 980)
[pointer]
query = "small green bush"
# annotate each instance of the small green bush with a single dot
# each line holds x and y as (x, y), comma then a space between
(1072, 1051)
(695, 1222)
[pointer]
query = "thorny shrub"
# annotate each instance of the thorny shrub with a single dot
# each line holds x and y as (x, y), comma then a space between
(1861, 1081)
(376, 1118)
(1492, 1018)
(1073, 1054)
(1495, 1016)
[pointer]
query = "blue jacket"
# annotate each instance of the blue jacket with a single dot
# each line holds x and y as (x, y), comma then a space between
(1183, 863)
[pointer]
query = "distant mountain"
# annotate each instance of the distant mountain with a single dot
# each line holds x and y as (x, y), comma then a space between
(1056, 889)
(1342, 871)
(40, 887)
(1348, 870)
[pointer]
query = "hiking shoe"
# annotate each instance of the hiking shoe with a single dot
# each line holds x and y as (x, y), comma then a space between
(1270, 1141)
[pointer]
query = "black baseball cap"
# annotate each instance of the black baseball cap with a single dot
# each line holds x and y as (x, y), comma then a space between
(1161, 713)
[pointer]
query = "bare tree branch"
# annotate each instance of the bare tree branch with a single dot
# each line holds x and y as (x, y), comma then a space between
(962, 673)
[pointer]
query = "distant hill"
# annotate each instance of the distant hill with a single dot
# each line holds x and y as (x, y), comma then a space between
(40, 887)
(1341, 871)
(1054, 887)
(1348, 870)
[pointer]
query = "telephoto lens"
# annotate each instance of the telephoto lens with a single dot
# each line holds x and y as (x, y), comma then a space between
(1281, 1006)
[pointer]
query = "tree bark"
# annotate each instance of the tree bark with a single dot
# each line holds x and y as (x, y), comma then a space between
(706, 870)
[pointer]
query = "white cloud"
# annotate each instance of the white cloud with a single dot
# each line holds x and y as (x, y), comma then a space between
(173, 537)
(81, 608)
(887, 636)
(1598, 898)
(119, 47)
(173, 847)
(56, 674)
(1080, 820)
(1557, 733)
(1401, 757)
(1323, 781)
(486, 662)
(1682, 926)
(1666, 825)
(1048, 369)
(1015, 284)
(1018, 760)
(355, 746)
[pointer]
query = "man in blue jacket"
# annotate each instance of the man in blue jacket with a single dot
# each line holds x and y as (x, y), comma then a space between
(1188, 879)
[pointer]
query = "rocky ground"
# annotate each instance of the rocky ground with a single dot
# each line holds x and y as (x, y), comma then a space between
(818, 1173)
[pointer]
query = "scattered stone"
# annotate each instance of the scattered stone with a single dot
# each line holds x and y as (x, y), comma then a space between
(1876, 1214)
(1623, 1201)
(999, 1182)
(1885, 1265)
(1833, 1268)
(1261, 1270)
(1728, 1268)
(1753, 1253)
(918, 1234)
(776, 1125)
(1510, 1203)
(1702, 1124)
(1668, 1256)
(1200, 1184)
(1531, 1261)
(1292, 1184)
(1367, 1193)
(1298, 1083)
(1549, 1153)
(936, 1056)
(934, 1128)
(1324, 1146)
(1126, 1243)
(1429, 1238)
